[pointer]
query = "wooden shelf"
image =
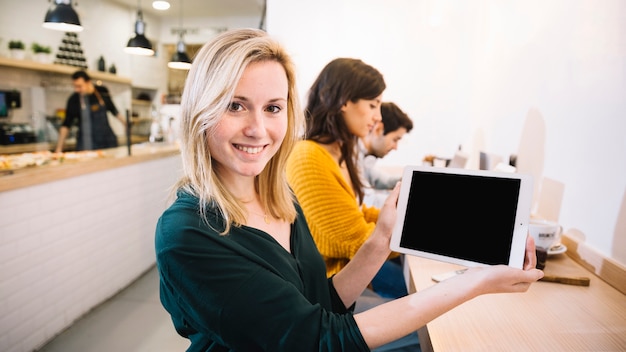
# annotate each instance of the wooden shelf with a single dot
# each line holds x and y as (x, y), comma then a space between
(61, 69)
(140, 102)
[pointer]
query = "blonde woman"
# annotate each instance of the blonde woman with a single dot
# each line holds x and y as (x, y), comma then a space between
(238, 268)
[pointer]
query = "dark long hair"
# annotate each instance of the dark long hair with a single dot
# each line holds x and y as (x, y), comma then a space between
(342, 80)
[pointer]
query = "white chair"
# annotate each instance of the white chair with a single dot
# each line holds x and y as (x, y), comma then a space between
(488, 161)
(531, 151)
(459, 160)
(550, 199)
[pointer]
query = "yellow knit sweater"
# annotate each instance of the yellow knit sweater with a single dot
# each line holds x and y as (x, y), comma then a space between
(338, 224)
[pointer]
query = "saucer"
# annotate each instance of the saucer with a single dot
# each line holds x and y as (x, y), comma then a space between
(558, 249)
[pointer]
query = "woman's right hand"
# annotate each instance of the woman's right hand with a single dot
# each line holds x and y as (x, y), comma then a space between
(388, 213)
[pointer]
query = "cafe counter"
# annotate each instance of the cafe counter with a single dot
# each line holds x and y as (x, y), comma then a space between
(70, 144)
(74, 232)
(73, 164)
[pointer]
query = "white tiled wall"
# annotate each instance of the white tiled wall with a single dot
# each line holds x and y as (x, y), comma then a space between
(67, 246)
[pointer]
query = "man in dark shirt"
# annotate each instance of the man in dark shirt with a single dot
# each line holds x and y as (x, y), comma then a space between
(88, 107)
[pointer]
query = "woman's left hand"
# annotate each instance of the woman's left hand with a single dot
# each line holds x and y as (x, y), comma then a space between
(530, 257)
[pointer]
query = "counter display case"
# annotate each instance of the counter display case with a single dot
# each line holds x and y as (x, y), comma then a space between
(28, 169)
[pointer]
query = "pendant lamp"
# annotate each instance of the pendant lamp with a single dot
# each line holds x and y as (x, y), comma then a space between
(180, 60)
(139, 44)
(62, 17)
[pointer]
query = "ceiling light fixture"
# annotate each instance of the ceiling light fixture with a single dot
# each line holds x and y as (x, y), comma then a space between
(180, 60)
(139, 44)
(62, 17)
(160, 5)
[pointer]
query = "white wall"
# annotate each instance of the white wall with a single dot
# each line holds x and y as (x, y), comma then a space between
(469, 72)
(202, 29)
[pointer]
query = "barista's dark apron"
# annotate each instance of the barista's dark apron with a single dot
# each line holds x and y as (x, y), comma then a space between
(102, 135)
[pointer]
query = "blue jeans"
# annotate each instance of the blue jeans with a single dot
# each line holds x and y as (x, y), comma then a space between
(389, 281)
(409, 343)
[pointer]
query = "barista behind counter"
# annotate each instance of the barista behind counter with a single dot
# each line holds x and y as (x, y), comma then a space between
(88, 106)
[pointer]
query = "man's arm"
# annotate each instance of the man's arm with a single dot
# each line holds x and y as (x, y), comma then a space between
(378, 178)
(122, 119)
(108, 101)
(63, 132)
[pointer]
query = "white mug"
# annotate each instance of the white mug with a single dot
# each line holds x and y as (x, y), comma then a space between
(546, 233)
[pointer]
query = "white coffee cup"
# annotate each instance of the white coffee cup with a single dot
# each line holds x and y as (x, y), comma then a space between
(546, 233)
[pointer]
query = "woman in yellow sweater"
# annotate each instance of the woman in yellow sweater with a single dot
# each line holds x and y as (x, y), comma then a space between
(343, 105)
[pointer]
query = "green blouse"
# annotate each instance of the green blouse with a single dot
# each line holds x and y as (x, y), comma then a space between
(244, 291)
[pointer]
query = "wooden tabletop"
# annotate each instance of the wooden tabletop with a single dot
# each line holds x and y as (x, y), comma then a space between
(548, 317)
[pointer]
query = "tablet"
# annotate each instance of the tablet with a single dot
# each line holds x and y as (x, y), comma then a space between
(462, 216)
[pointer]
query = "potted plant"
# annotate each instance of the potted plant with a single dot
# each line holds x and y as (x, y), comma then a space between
(42, 52)
(17, 49)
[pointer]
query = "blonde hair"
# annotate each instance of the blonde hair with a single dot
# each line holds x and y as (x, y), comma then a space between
(209, 89)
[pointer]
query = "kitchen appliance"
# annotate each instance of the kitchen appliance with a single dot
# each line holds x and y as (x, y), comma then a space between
(4, 109)
(16, 133)
(9, 99)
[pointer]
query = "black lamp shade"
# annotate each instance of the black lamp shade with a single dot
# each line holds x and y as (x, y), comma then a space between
(62, 17)
(180, 59)
(139, 44)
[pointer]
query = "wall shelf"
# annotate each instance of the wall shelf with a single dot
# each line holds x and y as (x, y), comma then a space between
(143, 104)
(140, 102)
(61, 69)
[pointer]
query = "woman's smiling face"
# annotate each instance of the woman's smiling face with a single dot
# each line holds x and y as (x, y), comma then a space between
(253, 128)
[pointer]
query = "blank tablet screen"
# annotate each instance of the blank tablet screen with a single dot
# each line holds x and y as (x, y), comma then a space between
(462, 216)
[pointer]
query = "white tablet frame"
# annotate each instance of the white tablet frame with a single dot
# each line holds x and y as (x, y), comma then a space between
(520, 227)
